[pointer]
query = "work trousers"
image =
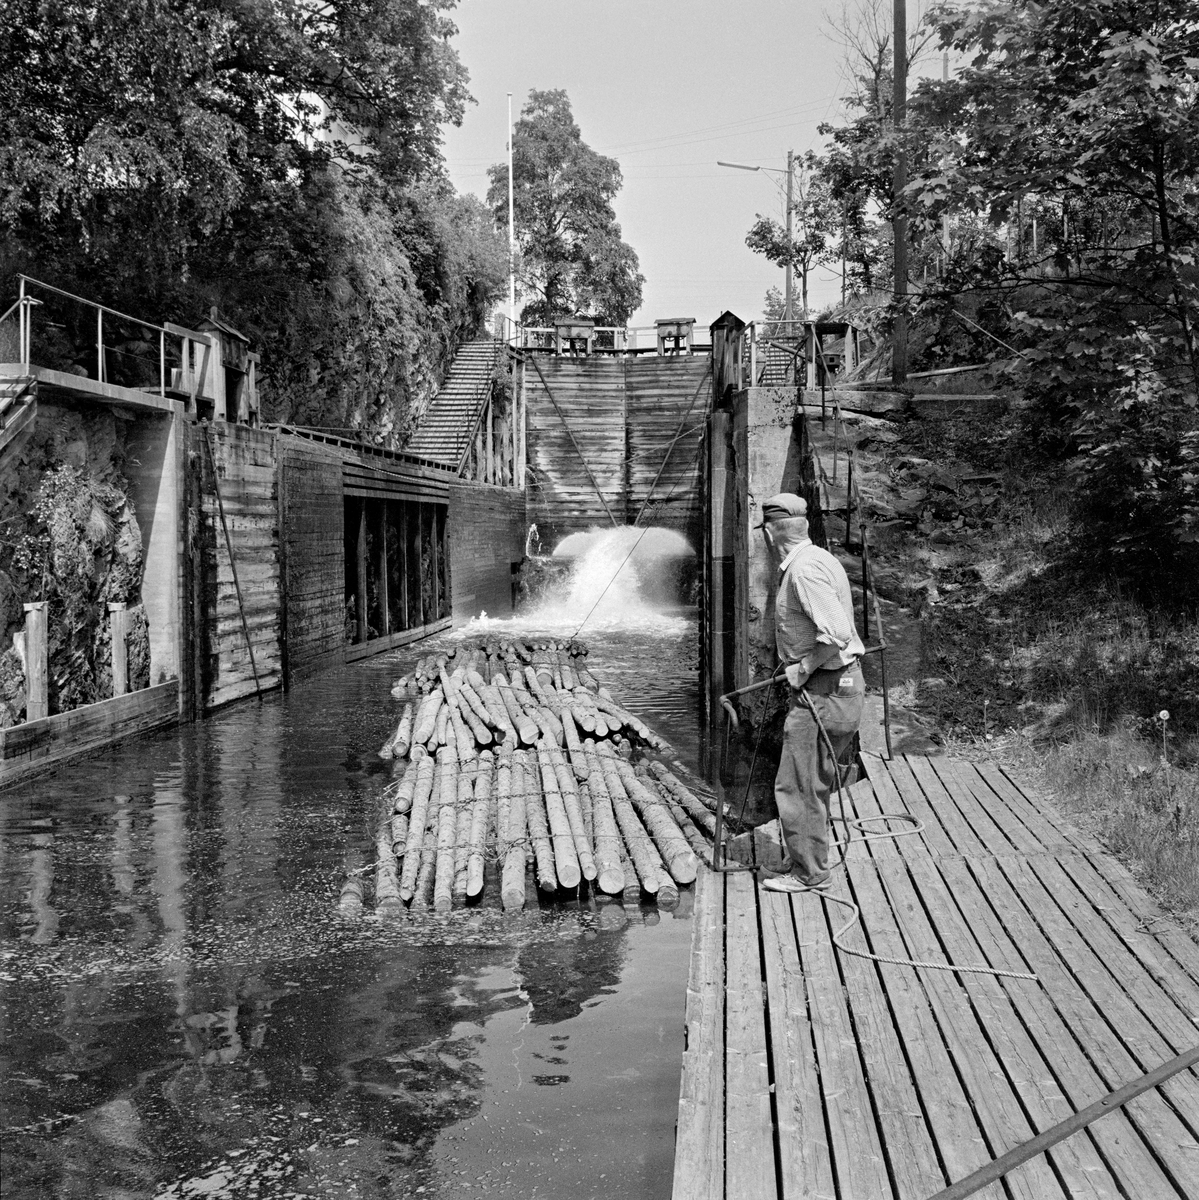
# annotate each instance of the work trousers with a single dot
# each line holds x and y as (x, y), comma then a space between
(807, 771)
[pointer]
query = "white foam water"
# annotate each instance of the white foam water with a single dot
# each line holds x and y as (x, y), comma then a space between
(613, 576)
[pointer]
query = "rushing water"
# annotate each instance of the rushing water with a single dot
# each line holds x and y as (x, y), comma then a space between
(185, 1016)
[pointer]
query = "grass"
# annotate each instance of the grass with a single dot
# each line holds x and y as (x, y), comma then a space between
(1043, 663)
(1144, 809)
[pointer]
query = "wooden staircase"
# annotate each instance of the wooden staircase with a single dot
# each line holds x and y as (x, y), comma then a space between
(445, 432)
(18, 406)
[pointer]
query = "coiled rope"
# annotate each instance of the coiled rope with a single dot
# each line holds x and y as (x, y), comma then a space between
(858, 823)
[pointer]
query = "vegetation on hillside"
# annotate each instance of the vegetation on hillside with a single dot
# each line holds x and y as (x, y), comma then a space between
(281, 161)
(1054, 224)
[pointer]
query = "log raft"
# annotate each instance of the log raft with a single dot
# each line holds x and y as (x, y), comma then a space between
(509, 756)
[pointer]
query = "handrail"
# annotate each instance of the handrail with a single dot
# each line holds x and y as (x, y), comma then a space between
(27, 327)
(330, 439)
(93, 304)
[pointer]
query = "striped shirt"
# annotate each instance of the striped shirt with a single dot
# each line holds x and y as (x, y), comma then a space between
(813, 616)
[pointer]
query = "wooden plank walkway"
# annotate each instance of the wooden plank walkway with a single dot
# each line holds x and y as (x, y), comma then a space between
(812, 1072)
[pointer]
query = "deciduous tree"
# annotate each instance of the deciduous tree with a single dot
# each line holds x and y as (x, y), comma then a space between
(572, 259)
(276, 157)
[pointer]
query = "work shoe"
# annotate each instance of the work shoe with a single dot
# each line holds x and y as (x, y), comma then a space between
(792, 883)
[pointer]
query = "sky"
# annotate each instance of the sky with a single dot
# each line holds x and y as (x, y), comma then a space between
(666, 90)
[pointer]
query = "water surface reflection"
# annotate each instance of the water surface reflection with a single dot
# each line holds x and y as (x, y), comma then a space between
(184, 1015)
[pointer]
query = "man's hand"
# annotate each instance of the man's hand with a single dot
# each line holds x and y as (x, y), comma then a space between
(797, 676)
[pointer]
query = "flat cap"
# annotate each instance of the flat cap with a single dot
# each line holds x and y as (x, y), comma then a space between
(785, 504)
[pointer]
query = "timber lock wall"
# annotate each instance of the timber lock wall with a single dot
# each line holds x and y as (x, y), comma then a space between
(615, 441)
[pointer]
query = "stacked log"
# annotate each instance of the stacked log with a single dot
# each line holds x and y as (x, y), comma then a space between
(512, 752)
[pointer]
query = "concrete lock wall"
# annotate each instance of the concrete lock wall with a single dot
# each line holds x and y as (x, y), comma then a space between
(129, 649)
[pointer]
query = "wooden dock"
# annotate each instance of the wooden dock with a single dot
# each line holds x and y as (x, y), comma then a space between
(809, 1072)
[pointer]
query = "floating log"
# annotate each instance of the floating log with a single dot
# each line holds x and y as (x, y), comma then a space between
(399, 837)
(539, 832)
(387, 886)
(701, 812)
(610, 875)
(398, 796)
(441, 734)
(349, 901)
(478, 827)
(423, 896)
(644, 858)
(464, 809)
(668, 837)
(425, 779)
(566, 859)
(426, 718)
(525, 726)
(607, 705)
(497, 713)
(512, 882)
(397, 745)
(700, 845)
(447, 830)
(569, 788)
(471, 698)
(535, 687)
(588, 807)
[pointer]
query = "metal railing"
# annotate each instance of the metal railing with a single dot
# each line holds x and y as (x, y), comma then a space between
(27, 302)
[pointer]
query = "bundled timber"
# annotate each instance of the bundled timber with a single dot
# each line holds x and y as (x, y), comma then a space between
(510, 756)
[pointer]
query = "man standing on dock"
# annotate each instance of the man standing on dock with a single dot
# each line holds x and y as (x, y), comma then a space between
(819, 648)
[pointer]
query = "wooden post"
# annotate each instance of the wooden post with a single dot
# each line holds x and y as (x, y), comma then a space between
(402, 552)
(362, 613)
(625, 468)
(489, 469)
(416, 616)
(522, 432)
(435, 557)
(381, 567)
(37, 676)
(118, 628)
(810, 356)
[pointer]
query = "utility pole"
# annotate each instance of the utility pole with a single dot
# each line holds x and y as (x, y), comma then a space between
(511, 235)
(789, 287)
(945, 215)
(899, 225)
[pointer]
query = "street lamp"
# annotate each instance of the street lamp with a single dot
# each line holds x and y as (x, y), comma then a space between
(790, 178)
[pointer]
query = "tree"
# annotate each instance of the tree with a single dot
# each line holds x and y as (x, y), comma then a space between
(810, 212)
(279, 159)
(572, 260)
